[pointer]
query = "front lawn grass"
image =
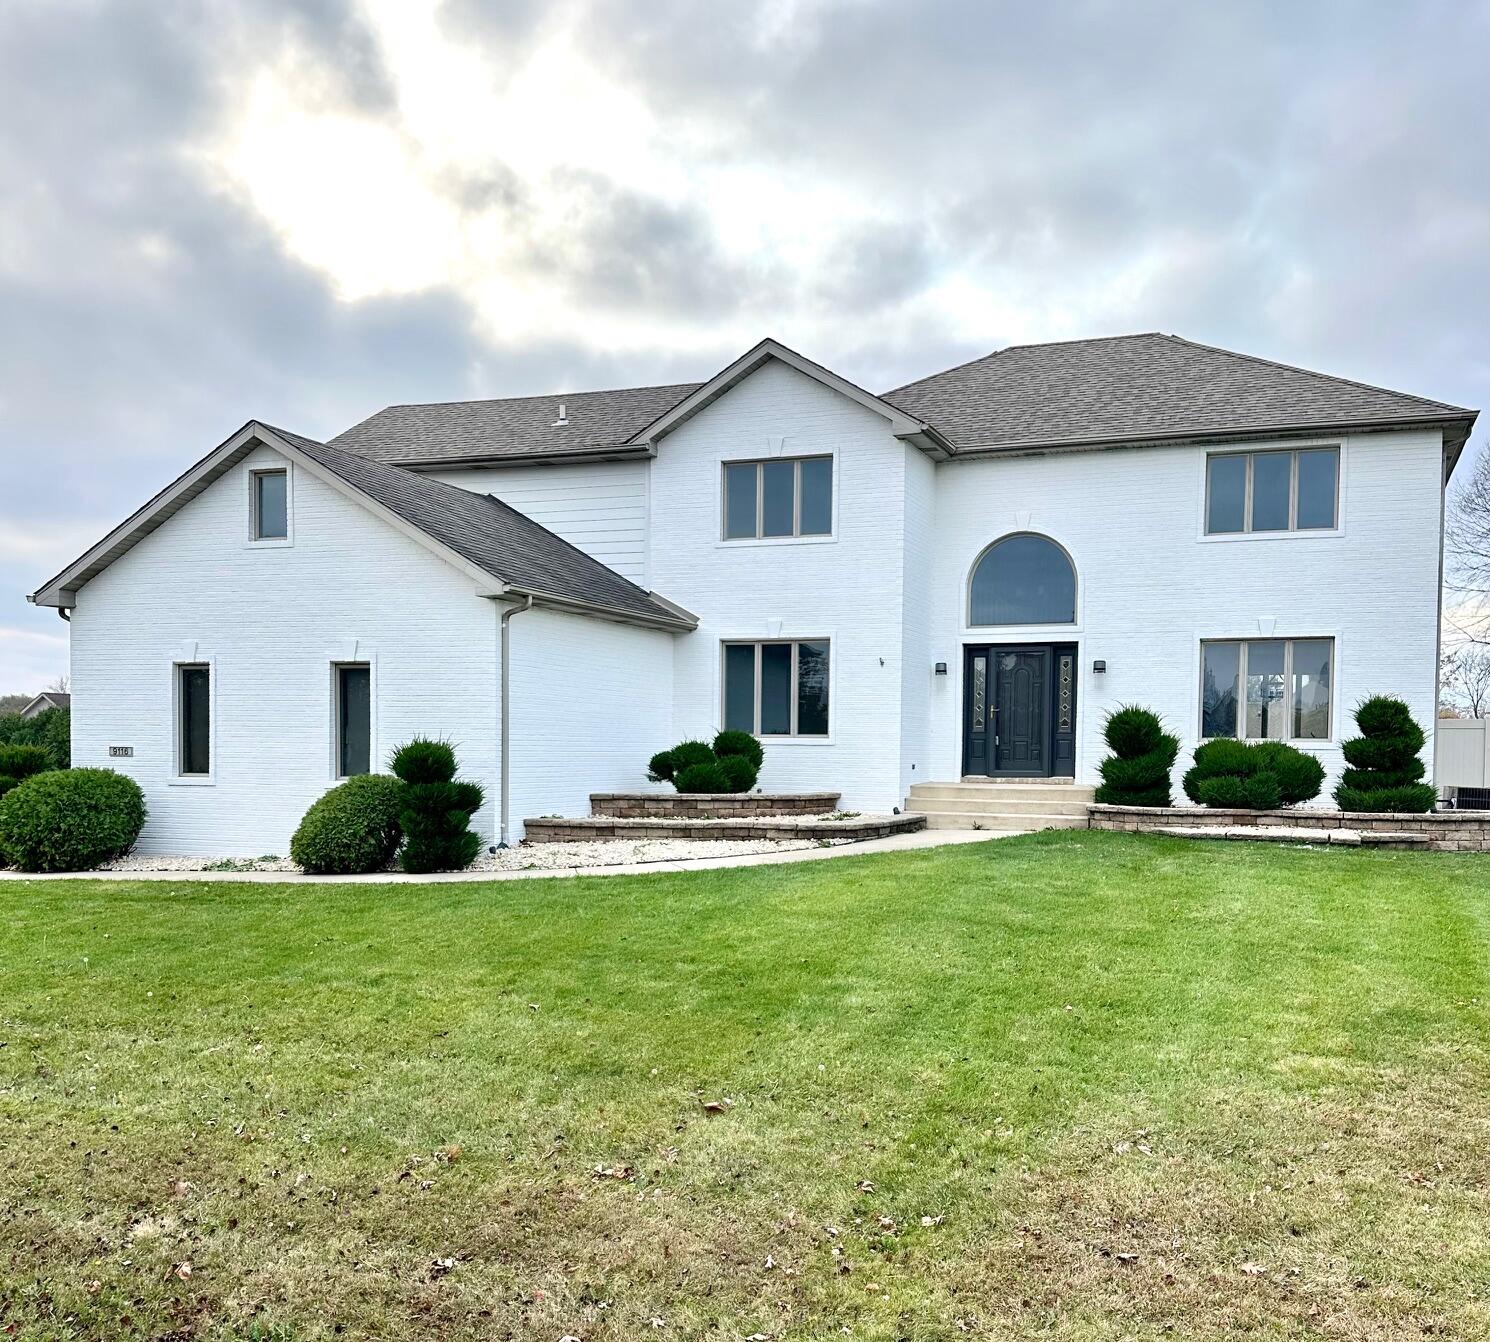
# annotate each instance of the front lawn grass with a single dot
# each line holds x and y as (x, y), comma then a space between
(1071, 1086)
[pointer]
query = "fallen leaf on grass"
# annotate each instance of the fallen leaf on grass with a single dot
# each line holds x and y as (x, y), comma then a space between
(441, 1267)
(182, 1270)
(448, 1155)
(932, 1220)
(614, 1172)
(864, 1186)
(1253, 1269)
(717, 1106)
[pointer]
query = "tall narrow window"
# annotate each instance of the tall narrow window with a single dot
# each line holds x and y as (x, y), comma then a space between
(271, 505)
(1267, 689)
(194, 702)
(778, 499)
(777, 689)
(353, 720)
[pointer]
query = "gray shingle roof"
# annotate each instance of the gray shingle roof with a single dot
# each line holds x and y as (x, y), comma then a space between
(1141, 387)
(489, 534)
(515, 427)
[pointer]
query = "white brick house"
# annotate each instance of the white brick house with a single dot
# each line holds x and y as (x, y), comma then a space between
(955, 579)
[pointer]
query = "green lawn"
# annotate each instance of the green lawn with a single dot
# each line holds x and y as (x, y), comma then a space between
(1066, 1086)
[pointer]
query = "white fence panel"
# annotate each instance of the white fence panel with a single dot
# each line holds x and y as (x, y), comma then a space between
(1463, 756)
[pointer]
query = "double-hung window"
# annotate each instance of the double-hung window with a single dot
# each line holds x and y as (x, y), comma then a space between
(1272, 491)
(779, 498)
(193, 720)
(1272, 689)
(777, 688)
(353, 719)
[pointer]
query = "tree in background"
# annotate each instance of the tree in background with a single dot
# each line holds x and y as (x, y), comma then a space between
(1465, 677)
(51, 730)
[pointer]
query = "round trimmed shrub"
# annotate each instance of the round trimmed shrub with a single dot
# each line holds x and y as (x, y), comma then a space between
(18, 763)
(70, 819)
(1252, 775)
(665, 765)
(1385, 765)
(352, 828)
(706, 777)
(742, 744)
(1137, 771)
(436, 812)
(739, 773)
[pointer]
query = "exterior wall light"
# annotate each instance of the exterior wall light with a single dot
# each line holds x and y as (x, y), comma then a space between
(941, 668)
(1099, 666)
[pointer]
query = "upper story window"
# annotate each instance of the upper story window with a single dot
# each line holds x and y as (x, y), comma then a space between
(1024, 579)
(782, 497)
(1271, 689)
(1272, 491)
(271, 505)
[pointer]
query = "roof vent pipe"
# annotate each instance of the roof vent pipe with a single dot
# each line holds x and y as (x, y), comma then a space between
(563, 417)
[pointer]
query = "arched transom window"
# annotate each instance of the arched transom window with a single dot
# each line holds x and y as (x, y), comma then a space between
(1024, 579)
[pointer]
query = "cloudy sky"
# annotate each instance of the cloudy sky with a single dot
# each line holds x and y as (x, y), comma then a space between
(212, 210)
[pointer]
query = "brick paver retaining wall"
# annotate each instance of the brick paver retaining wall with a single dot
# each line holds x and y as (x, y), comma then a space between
(561, 830)
(710, 805)
(1451, 831)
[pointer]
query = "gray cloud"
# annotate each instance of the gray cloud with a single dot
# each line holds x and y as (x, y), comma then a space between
(1306, 182)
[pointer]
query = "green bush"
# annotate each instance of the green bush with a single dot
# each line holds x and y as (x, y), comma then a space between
(1385, 765)
(51, 730)
(706, 777)
(70, 819)
(739, 772)
(742, 744)
(18, 763)
(1137, 772)
(665, 765)
(731, 764)
(435, 816)
(1252, 775)
(352, 828)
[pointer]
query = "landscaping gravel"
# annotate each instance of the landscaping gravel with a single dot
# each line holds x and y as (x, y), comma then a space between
(524, 857)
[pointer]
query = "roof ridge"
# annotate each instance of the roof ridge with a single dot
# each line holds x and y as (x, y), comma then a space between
(535, 396)
(1028, 344)
(1314, 372)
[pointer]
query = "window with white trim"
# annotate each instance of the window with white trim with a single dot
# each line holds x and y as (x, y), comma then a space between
(777, 688)
(353, 719)
(271, 505)
(1288, 490)
(1267, 689)
(193, 719)
(779, 498)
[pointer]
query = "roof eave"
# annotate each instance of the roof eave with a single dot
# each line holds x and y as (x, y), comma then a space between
(683, 622)
(576, 456)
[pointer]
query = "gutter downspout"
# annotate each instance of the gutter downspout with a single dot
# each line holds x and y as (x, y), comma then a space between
(506, 662)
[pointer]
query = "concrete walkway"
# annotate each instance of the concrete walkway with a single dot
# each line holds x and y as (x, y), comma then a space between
(896, 843)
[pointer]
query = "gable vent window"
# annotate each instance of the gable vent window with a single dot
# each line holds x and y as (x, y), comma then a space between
(1272, 491)
(353, 719)
(271, 505)
(194, 729)
(780, 498)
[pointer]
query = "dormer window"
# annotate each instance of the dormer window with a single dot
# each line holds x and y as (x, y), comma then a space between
(271, 505)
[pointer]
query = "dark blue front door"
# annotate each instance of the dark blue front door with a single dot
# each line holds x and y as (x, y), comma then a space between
(1019, 711)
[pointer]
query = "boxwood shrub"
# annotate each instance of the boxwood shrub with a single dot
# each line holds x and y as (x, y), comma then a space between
(1137, 771)
(1386, 770)
(731, 764)
(352, 828)
(1252, 775)
(70, 819)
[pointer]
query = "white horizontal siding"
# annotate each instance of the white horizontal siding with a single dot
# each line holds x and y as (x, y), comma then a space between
(601, 507)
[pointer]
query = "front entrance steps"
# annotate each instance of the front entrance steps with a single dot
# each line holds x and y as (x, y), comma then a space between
(1002, 807)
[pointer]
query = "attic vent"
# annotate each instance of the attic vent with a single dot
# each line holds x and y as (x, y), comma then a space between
(563, 417)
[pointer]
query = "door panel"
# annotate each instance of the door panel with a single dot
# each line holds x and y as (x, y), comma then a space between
(1022, 681)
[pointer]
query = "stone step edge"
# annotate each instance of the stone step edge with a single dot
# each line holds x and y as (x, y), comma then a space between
(1348, 838)
(561, 829)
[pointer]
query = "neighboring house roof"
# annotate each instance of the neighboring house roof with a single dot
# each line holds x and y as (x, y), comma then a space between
(508, 552)
(523, 426)
(1145, 388)
(45, 700)
(1115, 391)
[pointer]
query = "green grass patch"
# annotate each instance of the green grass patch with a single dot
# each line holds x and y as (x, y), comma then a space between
(1071, 1086)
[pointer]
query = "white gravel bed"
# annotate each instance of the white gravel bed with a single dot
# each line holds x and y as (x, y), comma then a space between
(524, 857)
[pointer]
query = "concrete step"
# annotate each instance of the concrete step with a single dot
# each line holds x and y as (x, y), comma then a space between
(1000, 805)
(996, 824)
(1042, 791)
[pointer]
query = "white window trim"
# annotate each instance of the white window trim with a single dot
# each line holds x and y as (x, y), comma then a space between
(176, 778)
(1292, 533)
(1288, 640)
(334, 666)
(796, 538)
(792, 738)
(251, 476)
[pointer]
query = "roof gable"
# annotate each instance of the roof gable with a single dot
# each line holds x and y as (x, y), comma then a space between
(502, 550)
(1145, 388)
